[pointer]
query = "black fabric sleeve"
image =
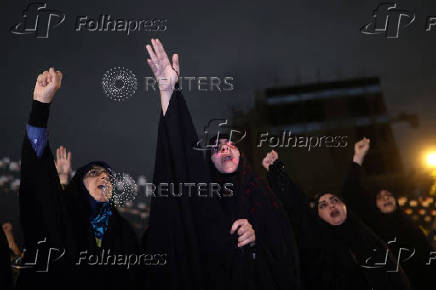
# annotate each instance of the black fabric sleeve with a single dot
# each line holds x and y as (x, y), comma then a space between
(296, 205)
(39, 114)
(380, 267)
(39, 198)
(355, 197)
(189, 166)
(188, 228)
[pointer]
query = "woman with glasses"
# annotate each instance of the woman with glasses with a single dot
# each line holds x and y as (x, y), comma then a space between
(215, 240)
(71, 235)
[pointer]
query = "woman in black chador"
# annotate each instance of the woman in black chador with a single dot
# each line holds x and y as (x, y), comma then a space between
(234, 236)
(337, 251)
(71, 234)
(382, 213)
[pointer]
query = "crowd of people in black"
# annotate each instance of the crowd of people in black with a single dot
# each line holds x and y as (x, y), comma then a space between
(265, 235)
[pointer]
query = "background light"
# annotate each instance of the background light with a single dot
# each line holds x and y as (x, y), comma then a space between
(431, 159)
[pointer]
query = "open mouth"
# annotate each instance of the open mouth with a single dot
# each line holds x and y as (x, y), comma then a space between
(334, 213)
(227, 158)
(387, 204)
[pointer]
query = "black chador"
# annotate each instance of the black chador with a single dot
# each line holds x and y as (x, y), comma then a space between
(334, 257)
(195, 231)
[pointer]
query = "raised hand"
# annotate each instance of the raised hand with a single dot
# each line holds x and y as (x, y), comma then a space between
(63, 164)
(245, 230)
(269, 159)
(46, 85)
(7, 227)
(166, 74)
(360, 150)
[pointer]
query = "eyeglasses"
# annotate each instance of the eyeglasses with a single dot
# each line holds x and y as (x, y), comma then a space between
(218, 148)
(95, 172)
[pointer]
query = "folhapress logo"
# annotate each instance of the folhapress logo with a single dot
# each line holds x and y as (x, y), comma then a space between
(38, 20)
(387, 19)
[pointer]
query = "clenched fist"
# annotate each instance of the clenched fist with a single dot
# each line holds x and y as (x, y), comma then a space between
(7, 227)
(360, 150)
(46, 85)
(269, 159)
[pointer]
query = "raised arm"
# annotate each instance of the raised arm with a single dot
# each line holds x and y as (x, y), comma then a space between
(7, 229)
(40, 212)
(166, 74)
(181, 224)
(353, 193)
(63, 165)
(176, 159)
(361, 148)
(293, 199)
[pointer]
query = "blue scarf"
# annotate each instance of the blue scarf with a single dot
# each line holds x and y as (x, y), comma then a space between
(101, 213)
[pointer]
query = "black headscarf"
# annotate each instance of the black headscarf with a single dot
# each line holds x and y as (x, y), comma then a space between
(195, 232)
(332, 256)
(252, 199)
(62, 219)
(401, 228)
(391, 226)
(78, 186)
(119, 236)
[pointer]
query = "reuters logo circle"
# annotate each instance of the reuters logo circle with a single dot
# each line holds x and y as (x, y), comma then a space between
(121, 189)
(119, 84)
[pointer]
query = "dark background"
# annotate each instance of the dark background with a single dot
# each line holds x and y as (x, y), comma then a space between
(260, 43)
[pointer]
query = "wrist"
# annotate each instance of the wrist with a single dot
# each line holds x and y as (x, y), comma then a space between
(165, 97)
(166, 94)
(276, 165)
(63, 178)
(42, 100)
(358, 159)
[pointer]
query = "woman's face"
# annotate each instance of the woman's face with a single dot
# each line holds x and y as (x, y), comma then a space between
(332, 210)
(385, 201)
(97, 182)
(225, 156)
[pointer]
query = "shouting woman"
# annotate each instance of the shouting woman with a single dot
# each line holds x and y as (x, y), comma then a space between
(383, 214)
(65, 230)
(337, 250)
(240, 240)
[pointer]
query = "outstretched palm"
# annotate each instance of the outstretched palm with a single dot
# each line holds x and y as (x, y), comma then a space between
(165, 73)
(63, 164)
